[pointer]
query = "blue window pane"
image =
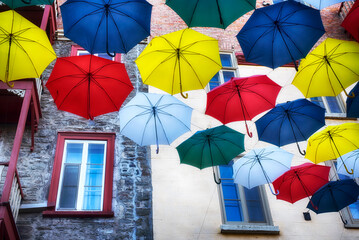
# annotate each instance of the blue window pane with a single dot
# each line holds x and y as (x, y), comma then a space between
(229, 191)
(81, 53)
(354, 209)
(92, 198)
(254, 205)
(74, 153)
(105, 55)
(227, 75)
(94, 175)
(96, 153)
(68, 196)
(215, 82)
(226, 60)
(226, 171)
(333, 105)
(233, 211)
(318, 101)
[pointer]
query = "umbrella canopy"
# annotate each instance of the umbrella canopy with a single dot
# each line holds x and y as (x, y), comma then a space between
(242, 99)
(260, 166)
(280, 33)
(211, 147)
(328, 69)
(334, 196)
(151, 118)
(333, 142)
(351, 160)
(25, 50)
(321, 4)
(88, 85)
(353, 103)
(351, 21)
(290, 122)
(112, 26)
(180, 61)
(23, 3)
(301, 181)
(211, 13)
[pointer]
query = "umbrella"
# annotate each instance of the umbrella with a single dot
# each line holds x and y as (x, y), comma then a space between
(335, 196)
(88, 85)
(333, 142)
(112, 26)
(23, 3)
(180, 61)
(280, 33)
(151, 118)
(211, 147)
(351, 21)
(353, 103)
(351, 160)
(290, 122)
(260, 166)
(25, 50)
(328, 69)
(211, 13)
(242, 99)
(301, 181)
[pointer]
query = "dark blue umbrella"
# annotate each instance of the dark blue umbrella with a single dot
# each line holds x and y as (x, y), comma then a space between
(353, 103)
(112, 26)
(280, 33)
(334, 196)
(290, 122)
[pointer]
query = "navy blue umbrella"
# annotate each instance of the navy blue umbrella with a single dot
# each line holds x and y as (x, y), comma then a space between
(334, 196)
(280, 33)
(353, 103)
(290, 122)
(112, 26)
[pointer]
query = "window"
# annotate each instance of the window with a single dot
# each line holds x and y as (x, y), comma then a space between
(333, 106)
(229, 70)
(81, 183)
(350, 213)
(243, 210)
(79, 51)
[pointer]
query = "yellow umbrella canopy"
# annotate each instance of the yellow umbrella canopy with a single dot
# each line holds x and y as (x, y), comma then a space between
(180, 61)
(333, 142)
(25, 50)
(328, 69)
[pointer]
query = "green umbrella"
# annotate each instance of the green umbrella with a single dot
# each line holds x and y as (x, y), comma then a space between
(211, 13)
(23, 3)
(211, 147)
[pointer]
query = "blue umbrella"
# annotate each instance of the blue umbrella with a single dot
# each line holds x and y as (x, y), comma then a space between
(280, 33)
(290, 122)
(334, 196)
(151, 118)
(112, 26)
(353, 103)
(318, 4)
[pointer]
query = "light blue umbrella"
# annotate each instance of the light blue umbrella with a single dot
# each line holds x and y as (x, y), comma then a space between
(261, 166)
(318, 4)
(151, 118)
(351, 160)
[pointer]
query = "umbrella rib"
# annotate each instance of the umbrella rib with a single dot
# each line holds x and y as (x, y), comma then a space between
(257, 40)
(115, 79)
(144, 113)
(312, 77)
(32, 63)
(333, 61)
(200, 54)
(64, 76)
(195, 73)
(219, 149)
(85, 16)
(184, 48)
(86, 2)
(75, 65)
(164, 132)
(168, 114)
(119, 32)
(69, 92)
(154, 69)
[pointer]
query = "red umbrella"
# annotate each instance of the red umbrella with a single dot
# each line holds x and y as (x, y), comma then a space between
(242, 99)
(351, 21)
(89, 86)
(301, 181)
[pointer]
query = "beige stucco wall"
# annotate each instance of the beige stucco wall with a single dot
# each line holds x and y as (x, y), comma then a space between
(185, 199)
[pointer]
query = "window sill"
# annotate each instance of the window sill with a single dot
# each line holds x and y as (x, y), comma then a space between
(250, 229)
(351, 225)
(339, 117)
(77, 214)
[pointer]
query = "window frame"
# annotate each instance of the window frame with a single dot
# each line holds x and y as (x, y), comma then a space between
(75, 49)
(57, 169)
(340, 102)
(246, 227)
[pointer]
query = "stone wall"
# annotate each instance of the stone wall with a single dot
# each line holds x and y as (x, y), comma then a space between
(132, 186)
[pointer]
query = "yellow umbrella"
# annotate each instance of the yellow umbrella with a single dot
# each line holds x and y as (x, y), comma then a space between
(333, 142)
(179, 61)
(25, 50)
(328, 69)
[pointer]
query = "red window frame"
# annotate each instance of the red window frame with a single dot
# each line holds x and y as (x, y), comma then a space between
(76, 48)
(54, 185)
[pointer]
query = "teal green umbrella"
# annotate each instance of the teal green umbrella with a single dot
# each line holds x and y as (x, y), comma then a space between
(211, 147)
(23, 3)
(211, 13)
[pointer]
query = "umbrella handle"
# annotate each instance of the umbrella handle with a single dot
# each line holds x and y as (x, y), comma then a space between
(349, 96)
(10, 84)
(275, 194)
(184, 96)
(346, 169)
(300, 151)
(215, 179)
(108, 53)
(26, 2)
(250, 134)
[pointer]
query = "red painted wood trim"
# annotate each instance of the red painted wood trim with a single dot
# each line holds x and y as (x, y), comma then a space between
(75, 48)
(54, 185)
(77, 214)
(8, 221)
(19, 84)
(45, 17)
(16, 146)
(242, 61)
